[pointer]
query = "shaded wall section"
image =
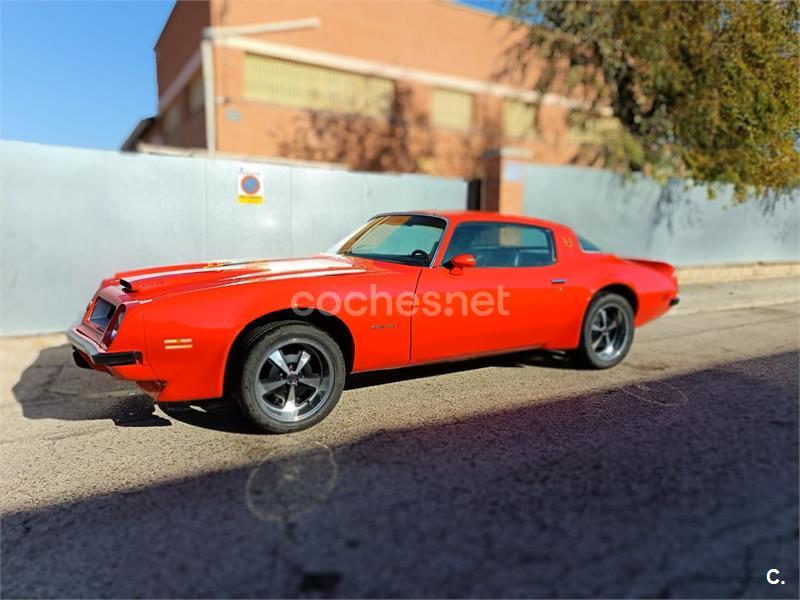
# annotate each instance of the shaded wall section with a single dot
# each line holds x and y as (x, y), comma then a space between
(675, 222)
(69, 217)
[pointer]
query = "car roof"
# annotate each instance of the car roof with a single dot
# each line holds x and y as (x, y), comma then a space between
(460, 216)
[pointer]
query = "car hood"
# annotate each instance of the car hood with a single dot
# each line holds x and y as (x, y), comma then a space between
(157, 281)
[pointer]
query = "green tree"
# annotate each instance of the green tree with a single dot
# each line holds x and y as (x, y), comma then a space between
(703, 90)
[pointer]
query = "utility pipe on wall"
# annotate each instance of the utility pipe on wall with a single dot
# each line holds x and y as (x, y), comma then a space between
(210, 35)
(207, 50)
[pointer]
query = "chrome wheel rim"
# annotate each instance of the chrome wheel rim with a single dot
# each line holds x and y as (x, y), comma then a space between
(294, 380)
(609, 332)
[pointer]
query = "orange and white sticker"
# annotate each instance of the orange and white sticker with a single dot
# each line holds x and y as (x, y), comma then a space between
(178, 343)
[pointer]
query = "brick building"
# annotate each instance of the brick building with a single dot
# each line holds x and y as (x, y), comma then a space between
(390, 85)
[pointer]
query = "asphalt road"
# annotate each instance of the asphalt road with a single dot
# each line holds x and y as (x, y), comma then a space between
(674, 474)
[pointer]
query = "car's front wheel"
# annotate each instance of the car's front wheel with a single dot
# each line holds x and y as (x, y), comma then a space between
(607, 332)
(291, 378)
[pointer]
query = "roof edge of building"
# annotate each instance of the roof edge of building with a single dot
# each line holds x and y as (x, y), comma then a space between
(141, 128)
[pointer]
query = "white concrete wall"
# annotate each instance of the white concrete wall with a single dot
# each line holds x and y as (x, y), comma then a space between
(675, 223)
(69, 217)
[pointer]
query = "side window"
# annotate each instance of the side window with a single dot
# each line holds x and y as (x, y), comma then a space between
(502, 244)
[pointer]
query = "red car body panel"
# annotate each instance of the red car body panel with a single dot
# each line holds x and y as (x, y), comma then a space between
(181, 321)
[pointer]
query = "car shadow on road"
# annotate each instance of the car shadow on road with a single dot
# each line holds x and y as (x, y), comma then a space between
(54, 388)
(684, 486)
(536, 358)
(224, 415)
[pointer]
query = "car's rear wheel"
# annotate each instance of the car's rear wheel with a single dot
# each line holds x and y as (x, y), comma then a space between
(607, 332)
(291, 378)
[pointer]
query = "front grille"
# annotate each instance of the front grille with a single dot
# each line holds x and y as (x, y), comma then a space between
(101, 314)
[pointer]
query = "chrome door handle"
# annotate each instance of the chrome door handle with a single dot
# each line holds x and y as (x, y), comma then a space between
(558, 281)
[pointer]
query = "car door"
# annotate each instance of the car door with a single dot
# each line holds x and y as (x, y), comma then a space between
(508, 300)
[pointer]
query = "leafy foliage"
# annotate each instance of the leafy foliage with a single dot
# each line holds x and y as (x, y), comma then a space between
(704, 90)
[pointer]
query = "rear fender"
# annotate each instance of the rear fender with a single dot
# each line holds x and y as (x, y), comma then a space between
(657, 287)
(665, 269)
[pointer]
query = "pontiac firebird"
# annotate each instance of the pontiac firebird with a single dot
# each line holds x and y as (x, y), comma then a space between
(280, 336)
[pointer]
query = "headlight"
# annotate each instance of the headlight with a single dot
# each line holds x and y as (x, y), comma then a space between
(115, 325)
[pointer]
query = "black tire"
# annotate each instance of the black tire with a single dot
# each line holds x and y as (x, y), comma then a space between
(604, 348)
(296, 403)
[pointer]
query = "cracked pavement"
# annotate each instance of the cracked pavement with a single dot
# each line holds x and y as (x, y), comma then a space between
(673, 475)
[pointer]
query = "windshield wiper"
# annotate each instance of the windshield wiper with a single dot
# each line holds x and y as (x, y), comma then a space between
(392, 258)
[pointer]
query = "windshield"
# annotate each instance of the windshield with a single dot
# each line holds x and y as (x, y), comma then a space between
(406, 239)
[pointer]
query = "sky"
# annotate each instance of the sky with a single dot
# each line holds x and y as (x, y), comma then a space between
(77, 73)
(82, 73)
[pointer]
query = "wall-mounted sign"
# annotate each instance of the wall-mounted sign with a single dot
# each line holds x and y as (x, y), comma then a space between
(250, 186)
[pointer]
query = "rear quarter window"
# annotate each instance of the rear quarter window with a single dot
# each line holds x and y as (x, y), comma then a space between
(587, 246)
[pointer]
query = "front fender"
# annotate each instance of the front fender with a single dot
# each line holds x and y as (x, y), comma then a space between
(190, 334)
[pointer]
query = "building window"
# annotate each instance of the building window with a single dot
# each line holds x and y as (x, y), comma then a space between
(311, 87)
(592, 130)
(451, 109)
(197, 93)
(172, 118)
(519, 119)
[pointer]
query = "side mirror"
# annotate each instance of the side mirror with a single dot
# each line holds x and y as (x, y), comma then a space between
(461, 261)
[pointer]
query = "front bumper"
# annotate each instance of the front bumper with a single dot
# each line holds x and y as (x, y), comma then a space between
(87, 350)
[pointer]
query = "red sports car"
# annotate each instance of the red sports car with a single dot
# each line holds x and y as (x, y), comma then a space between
(280, 336)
